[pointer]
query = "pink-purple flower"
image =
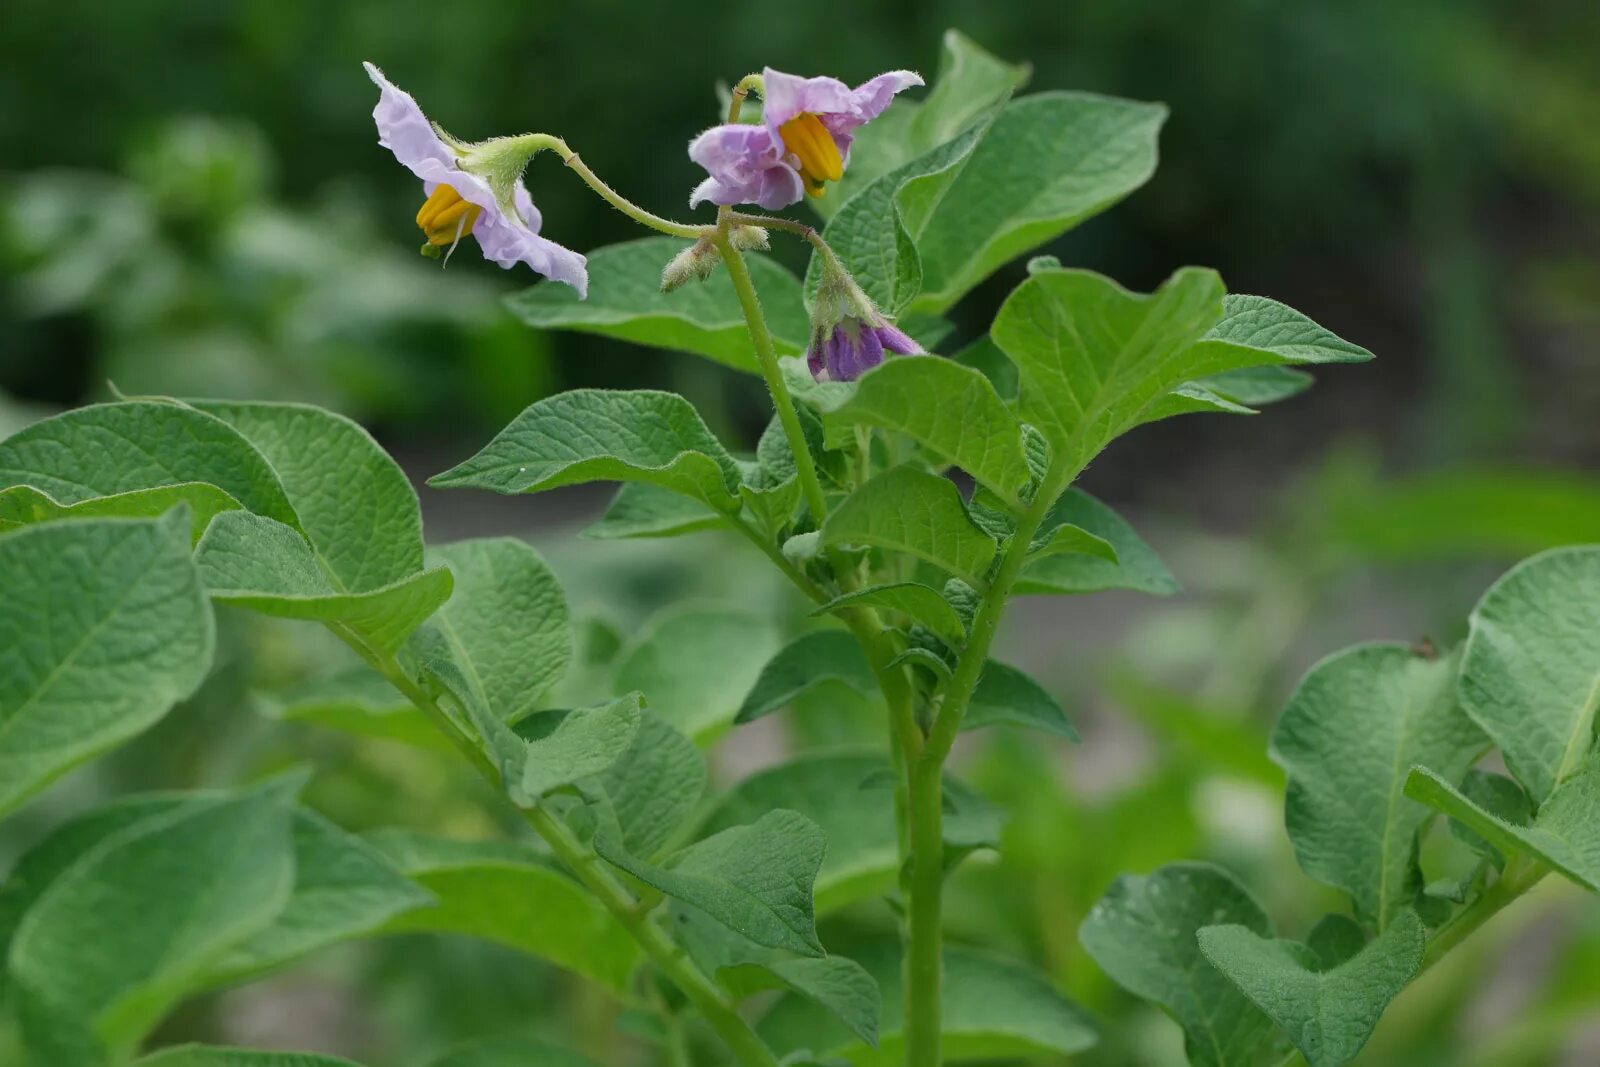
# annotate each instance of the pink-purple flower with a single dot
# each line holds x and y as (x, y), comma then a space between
(462, 200)
(803, 141)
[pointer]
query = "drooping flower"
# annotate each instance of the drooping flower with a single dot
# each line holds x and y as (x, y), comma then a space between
(849, 335)
(471, 189)
(803, 141)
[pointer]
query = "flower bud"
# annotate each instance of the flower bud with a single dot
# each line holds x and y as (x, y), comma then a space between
(695, 262)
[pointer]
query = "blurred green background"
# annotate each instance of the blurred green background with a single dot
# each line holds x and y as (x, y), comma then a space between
(195, 203)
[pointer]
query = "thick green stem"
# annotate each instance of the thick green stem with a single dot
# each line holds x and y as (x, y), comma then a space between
(924, 951)
(582, 861)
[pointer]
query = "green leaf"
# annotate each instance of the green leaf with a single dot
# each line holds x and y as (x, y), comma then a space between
(1006, 696)
(1067, 539)
(513, 896)
(103, 626)
(834, 983)
(1531, 672)
(912, 511)
(1257, 386)
(754, 879)
(259, 563)
(1142, 934)
(1565, 833)
(1500, 797)
(951, 410)
(506, 625)
(625, 301)
(810, 660)
(654, 786)
(22, 505)
(359, 702)
(1136, 567)
(838, 791)
(139, 918)
(917, 602)
(213, 1056)
(875, 233)
(109, 449)
(992, 1009)
(1263, 323)
(1347, 738)
(969, 82)
(343, 888)
(354, 505)
(509, 1052)
(1092, 357)
(1049, 161)
(1328, 1014)
(587, 435)
(587, 742)
(643, 510)
(1335, 939)
(695, 664)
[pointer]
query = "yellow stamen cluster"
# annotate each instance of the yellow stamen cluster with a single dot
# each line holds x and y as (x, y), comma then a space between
(810, 141)
(446, 218)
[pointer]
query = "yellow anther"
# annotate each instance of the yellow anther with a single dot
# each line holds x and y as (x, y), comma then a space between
(445, 217)
(813, 145)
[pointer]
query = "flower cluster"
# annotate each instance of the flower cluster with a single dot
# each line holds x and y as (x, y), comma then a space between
(802, 143)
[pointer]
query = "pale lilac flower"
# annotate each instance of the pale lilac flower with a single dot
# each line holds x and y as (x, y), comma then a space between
(803, 141)
(854, 347)
(461, 201)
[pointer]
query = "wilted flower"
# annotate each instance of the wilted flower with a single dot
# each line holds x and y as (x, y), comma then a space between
(855, 346)
(472, 189)
(849, 335)
(803, 141)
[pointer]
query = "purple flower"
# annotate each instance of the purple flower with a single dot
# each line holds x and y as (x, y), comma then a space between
(462, 201)
(803, 141)
(854, 347)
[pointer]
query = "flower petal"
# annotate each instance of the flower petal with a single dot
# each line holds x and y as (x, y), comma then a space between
(507, 242)
(404, 130)
(746, 167)
(898, 341)
(783, 96)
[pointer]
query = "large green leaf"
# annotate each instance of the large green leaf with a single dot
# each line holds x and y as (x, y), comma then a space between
(505, 626)
(754, 879)
(509, 894)
(587, 435)
(135, 445)
(694, 664)
(355, 506)
(1006, 696)
(1048, 162)
(950, 409)
(588, 741)
(1136, 566)
(909, 510)
(643, 510)
(1531, 671)
(1328, 1014)
(1347, 738)
(23, 505)
(1565, 833)
(139, 918)
(1142, 933)
(343, 888)
(1092, 356)
(654, 786)
(1260, 322)
(261, 564)
(992, 1009)
(625, 301)
(214, 1056)
(104, 625)
(834, 983)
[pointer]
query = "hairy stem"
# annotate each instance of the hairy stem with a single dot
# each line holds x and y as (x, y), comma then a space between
(740, 91)
(539, 142)
(924, 954)
(718, 1012)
